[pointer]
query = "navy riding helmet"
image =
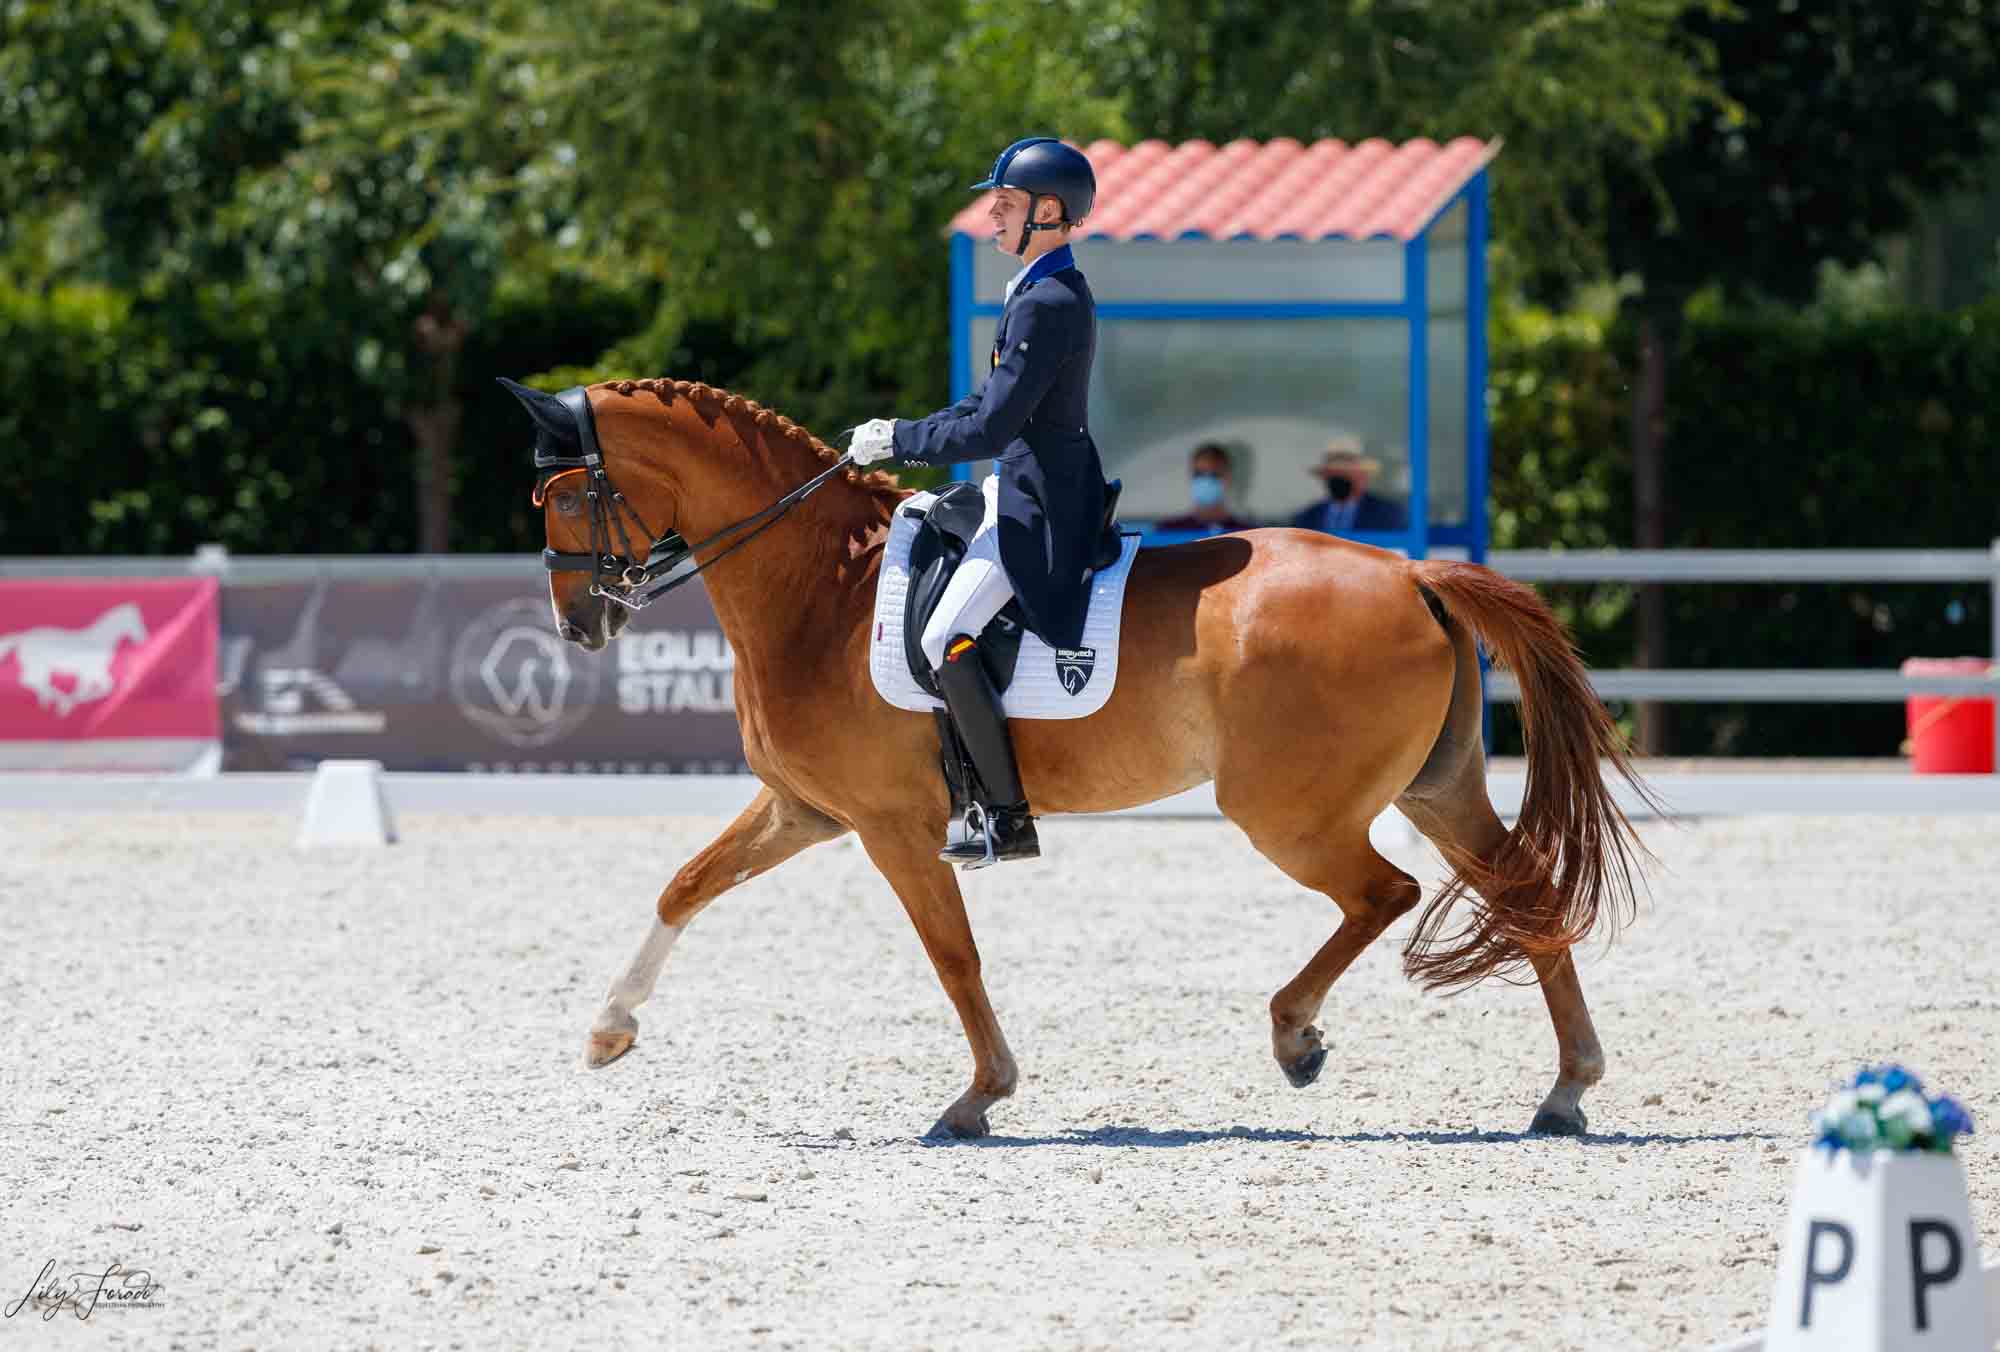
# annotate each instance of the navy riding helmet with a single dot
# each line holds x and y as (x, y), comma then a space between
(1042, 166)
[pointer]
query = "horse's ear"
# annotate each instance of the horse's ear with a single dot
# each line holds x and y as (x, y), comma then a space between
(547, 411)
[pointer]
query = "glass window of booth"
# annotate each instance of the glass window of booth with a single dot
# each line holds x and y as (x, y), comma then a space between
(1274, 391)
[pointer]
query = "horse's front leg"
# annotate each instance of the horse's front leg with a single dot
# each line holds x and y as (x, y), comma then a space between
(929, 892)
(769, 831)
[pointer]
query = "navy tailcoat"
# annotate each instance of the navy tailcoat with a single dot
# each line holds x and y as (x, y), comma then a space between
(1031, 418)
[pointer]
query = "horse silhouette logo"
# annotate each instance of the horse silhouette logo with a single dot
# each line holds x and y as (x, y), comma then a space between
(84, 655)
(1073, 668)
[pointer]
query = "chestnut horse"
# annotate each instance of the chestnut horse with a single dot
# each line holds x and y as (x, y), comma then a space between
(1314, 680)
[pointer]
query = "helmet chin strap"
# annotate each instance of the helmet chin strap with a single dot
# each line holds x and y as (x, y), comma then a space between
(1032, 225)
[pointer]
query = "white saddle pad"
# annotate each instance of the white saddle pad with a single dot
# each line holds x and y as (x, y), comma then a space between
(1048, 683)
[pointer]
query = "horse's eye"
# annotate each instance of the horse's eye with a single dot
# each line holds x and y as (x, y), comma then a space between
(566, 502)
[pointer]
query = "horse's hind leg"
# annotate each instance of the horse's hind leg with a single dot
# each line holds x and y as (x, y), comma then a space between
(767, 833)
(1460, 816)
(1371, 893)
(1579, 1058)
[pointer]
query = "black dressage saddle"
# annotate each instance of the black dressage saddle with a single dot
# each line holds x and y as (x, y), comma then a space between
(944, 530)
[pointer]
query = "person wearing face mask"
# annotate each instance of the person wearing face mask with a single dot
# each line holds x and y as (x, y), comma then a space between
(1209, 473)
(1348, 505)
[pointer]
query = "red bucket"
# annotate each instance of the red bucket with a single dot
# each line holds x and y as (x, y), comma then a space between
(1950, 734)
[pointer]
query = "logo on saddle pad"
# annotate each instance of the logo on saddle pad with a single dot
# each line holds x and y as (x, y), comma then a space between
(1073, 667)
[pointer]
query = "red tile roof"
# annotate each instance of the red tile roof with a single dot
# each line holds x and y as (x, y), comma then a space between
(1269, 190)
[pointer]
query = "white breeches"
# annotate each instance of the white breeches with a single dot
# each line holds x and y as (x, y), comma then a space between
(977, 590)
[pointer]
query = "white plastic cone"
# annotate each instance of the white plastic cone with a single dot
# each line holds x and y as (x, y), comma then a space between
(345, 805)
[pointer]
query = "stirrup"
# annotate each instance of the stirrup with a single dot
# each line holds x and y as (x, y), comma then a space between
(971, 843)
(983, 846)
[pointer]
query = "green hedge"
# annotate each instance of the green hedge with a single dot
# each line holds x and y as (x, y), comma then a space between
(126, 443)
(118, 438)
(1784, 432)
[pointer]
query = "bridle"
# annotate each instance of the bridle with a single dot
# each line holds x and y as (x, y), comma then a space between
(618, 572)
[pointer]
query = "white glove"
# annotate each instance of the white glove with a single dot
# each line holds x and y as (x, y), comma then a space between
(873, 440)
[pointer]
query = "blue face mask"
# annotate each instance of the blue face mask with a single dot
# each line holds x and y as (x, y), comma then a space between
(1206, 490)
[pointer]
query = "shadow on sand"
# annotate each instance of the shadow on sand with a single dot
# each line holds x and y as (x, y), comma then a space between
(1123, 1137)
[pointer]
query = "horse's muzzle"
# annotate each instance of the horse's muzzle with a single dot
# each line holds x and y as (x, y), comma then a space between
(593, 630)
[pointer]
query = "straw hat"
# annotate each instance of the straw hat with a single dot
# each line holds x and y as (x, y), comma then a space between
(1343, 454)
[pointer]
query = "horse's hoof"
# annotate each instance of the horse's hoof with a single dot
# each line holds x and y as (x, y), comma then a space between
(1549, 1122)
(948, 1130)
(1305, 1069)
(607, 1045)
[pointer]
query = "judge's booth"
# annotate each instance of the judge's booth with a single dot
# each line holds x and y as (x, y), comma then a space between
(1275, 298)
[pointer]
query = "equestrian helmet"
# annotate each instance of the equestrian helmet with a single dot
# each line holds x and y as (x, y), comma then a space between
(1042, 166)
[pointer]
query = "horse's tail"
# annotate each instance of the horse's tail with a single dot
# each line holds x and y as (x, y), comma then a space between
(1570, 855)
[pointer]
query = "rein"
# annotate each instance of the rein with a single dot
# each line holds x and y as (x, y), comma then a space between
(617, 575)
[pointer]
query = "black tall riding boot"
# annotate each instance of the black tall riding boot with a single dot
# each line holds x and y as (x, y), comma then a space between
(966, 826)
(1004, 829)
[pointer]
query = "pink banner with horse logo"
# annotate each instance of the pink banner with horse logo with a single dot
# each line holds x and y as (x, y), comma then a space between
(108, 675)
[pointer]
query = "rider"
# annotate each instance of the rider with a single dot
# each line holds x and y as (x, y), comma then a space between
(1045, 498)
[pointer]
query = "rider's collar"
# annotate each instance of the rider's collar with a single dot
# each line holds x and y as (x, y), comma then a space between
(1050, 263)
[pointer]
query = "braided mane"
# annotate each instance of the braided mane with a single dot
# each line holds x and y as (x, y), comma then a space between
(708, 398)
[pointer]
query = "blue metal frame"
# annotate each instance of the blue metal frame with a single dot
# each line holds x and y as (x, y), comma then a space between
(1477, 468)
(1416, 299)
(1413, 309)
(962, 310)
(1212, 309)
(961, 316)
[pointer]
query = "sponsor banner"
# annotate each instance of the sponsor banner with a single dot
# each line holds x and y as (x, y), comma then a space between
(467, 674)
(107, 674)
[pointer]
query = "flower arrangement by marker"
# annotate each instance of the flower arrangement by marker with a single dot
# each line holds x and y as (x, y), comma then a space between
(1886, 1109)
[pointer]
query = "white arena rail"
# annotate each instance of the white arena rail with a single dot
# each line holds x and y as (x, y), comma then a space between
(1772, 685)
(1685, 792)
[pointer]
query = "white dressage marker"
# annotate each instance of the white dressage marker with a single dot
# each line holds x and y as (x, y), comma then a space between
(1755, 1342)
(345, 806)
(1879, 1254)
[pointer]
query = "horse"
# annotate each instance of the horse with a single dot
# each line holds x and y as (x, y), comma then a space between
(1313, 680)
(84, 654)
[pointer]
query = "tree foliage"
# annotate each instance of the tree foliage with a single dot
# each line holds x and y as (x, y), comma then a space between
(1568, 86)
(230, 166)
(348, 188)
(1838, 118)
(786, 171)
(782, 172)
(209, 156)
